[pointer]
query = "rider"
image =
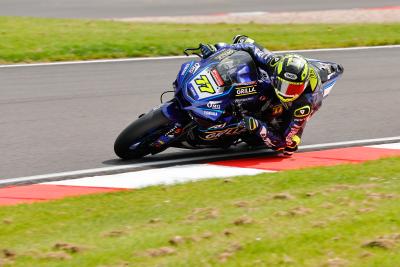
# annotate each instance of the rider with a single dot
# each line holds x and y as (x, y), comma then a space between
(293, 87)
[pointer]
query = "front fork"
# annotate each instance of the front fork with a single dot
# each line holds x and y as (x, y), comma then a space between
(176, 128)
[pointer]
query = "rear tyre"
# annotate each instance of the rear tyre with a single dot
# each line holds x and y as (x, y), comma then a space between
(136, 132)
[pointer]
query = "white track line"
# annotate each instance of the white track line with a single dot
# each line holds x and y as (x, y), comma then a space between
(387, 146)
(166, 176)
(131, 167)
(182, 57)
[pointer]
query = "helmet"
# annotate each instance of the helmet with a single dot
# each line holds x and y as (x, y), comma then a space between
(290, 78)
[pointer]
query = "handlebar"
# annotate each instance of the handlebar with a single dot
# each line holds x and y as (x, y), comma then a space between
(190, 50)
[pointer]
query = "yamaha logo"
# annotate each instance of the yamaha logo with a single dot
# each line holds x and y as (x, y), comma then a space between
(290, 76)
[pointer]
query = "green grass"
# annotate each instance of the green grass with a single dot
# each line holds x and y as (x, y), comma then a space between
(36, 39)
(338, 210)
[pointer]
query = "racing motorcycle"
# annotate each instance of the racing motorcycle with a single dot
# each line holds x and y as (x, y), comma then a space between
(211, 97)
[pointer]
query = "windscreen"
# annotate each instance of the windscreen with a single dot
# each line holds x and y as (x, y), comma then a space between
(237, 68)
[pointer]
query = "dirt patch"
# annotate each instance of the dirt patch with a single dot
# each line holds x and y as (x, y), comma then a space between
(379, 196)
(384, 243)
(243, 220)
(203, 214)
(227, 232)
(176, 240)
(282, 213)
(229, 252)
(8, 221)
(365, 210)
(366, 254)
(299, 211)
(327, 205)
(241, 204)
(283, 196)
(367, 186)
(154, 220)
(224, 256)
(69, 248)
(115, 233)
(319, 224)
(311, 194)
(179, 240)
(207, 235)
(158, 252)
(8, 254)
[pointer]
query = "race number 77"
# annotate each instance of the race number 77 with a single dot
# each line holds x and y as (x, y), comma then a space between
(205, 85)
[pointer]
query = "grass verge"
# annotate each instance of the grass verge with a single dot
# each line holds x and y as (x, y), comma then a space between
(334, 216)
(37, 39)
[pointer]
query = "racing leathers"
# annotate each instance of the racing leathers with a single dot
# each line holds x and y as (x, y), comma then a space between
(280, 125)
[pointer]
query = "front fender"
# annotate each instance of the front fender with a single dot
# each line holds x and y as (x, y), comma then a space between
(173, 112)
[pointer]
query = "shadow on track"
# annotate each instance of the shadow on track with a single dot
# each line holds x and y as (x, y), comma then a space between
(184, 156)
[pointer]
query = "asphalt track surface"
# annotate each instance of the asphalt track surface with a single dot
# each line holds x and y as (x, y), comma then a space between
(139, 8)
(66, 117)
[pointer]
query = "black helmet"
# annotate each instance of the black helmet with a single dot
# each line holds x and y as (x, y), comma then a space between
(290, 78)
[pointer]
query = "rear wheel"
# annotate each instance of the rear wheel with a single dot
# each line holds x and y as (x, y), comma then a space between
(134, 141)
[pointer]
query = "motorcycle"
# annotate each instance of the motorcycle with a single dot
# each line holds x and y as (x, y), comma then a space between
(211, 96)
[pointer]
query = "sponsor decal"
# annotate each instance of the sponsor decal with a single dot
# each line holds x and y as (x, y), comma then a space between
(185, 69)
(224, 54)
(290, 76)
(302, 112)
(218, 133)
(313, 79)
(192, 92)
(214, 104)
(277, 110)
(210, 113)
(194, 68)
(204, 85)
(218, 126)
(246, 90)
(244, 100)
(174, 131)
(217, 78)
(275, 61)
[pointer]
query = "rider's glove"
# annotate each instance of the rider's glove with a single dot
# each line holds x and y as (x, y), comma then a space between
(250, 123)
(207, 50)
(292, 145)
(239, 39)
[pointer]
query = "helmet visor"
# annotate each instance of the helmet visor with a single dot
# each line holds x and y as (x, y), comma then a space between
(288, 91)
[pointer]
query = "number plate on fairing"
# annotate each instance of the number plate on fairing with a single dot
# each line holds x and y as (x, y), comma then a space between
(203, 85)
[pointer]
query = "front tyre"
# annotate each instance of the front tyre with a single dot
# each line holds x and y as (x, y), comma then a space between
(134, 141)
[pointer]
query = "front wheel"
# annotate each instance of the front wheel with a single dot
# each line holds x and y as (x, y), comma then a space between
(134, 141)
